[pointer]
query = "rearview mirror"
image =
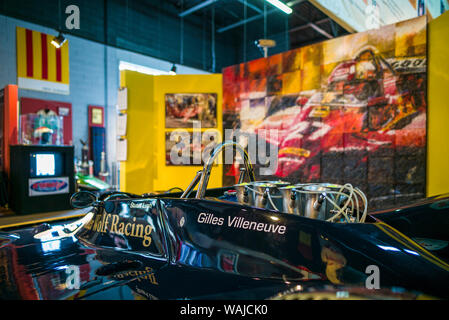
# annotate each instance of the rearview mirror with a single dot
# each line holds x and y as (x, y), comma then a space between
(82, 199)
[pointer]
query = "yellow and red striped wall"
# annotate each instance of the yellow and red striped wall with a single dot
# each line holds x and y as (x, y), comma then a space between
(40, 65)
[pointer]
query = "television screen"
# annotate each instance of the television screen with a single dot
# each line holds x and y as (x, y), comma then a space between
(45, 164)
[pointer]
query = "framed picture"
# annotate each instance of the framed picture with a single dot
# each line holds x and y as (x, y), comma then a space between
(182, 109)
(96, 116)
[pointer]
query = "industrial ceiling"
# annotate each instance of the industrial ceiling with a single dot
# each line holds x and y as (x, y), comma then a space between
(205, 34)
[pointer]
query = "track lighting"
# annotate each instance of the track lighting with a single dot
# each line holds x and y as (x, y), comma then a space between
(173, 70)
(59, 40)
(281, 6)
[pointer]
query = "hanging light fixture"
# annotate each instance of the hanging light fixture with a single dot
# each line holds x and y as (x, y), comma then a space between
(264, 44)
(173, 70)
(59, 40)
(281, 6)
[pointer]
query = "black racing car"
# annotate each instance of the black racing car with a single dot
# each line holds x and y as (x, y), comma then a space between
(212, 246)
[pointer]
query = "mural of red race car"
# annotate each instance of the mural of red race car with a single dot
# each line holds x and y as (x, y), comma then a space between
(369, 107)
(347, 110)
(366, 105)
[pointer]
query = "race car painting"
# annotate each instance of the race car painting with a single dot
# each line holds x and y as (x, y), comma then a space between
(348, 109)
(182, 109)
(211, 246)
(350, 114)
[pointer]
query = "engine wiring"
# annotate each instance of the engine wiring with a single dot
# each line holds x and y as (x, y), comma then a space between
(345, 199)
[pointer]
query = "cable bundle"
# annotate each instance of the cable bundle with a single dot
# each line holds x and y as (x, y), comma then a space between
(346, 210)
(348, 204)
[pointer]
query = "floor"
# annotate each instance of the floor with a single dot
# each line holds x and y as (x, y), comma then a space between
(10, 220)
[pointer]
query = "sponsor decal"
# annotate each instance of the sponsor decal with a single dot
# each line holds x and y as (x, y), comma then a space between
(139, 205)
(48, 186)
(112, 224)
(241, 223)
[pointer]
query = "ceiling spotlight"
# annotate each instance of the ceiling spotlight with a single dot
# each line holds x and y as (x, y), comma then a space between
(172, 70)
(59, 40)
(264, 44)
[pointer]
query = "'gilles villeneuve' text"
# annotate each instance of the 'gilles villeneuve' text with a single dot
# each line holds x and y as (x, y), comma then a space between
(241, 223)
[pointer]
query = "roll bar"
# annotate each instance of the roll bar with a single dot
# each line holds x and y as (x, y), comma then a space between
(205, 173)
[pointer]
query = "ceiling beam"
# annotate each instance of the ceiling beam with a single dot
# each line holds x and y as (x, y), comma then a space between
(197, 7)
(255, 8)
(305, 26)
(319, 30)
(239, 23)
(314, 26)
(256, 17)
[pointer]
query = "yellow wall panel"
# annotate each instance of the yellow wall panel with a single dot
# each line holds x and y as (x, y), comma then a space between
(136, 172)
(438, 110)
(145, 169)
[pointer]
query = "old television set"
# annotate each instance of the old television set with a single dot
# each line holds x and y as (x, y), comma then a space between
(46, 164)
(42, 178)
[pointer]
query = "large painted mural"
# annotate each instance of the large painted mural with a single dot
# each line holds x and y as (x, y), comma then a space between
(347, 110)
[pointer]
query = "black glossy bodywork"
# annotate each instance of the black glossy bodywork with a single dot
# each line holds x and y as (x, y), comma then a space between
(170, 248)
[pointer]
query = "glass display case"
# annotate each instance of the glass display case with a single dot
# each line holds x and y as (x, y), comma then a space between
(41, 129)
